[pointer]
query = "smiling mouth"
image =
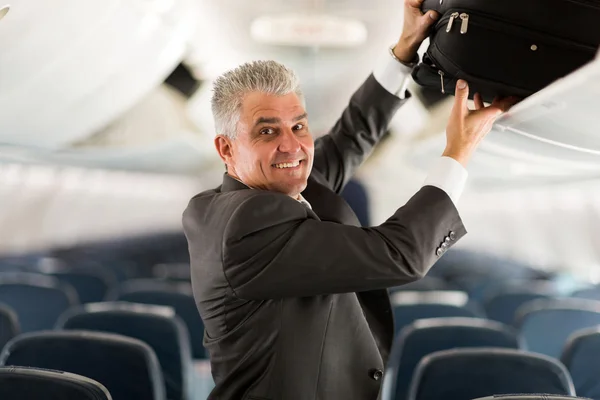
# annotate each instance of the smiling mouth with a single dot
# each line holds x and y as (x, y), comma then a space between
(288, 165)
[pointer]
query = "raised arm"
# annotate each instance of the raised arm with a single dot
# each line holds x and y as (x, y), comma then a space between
(366, 118)
(272, 249)
(363, 123)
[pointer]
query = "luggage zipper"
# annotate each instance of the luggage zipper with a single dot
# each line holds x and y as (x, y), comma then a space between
(498, 25)
(441, 73)
(464, 24)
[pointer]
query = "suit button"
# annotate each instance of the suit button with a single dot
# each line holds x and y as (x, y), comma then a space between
(439, 251)
(447, 239)
(376, 374)
(452, 235)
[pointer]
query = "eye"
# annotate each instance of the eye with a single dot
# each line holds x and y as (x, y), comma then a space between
(267, 131)
(298, 127)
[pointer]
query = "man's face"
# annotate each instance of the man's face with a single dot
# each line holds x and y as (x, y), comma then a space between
(274, 148)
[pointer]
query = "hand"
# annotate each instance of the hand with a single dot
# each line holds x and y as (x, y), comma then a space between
(415, 29)
(466, 128)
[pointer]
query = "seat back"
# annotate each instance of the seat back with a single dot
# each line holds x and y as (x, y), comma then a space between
(176, 295)
(502, 305)
(91, 286)
(590, 293)
(411, 306)
(127, 367)
(157, 326)
(18, 383)
(478, 372)
(428, 336)
(9, 325)
(547, 324)
(37, 300)
(580, 356)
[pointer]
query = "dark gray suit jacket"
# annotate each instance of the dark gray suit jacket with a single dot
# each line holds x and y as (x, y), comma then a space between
(294, 299)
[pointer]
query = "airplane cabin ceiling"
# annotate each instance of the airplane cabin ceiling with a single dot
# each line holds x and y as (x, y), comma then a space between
(82, 84)
(70, 67)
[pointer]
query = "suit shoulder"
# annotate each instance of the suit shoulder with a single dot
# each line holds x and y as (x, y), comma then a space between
(225, 204)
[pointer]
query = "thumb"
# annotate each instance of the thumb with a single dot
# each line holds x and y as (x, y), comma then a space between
(430, 17)
(461, 95)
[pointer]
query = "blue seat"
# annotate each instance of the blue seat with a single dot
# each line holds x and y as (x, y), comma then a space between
(9, 325)
(37, 300)
(176, 295)
(19, 383)
(411, 306)
(424, 337)
(581, 355)
(502, 304)
(157, 326)
(91, 285)
(590, 293)
(127, 367)
(464, 374)
(547, 324)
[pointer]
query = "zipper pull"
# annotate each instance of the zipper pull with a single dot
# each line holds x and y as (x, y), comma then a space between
(441, 73)
(453, 16)
(465, 23)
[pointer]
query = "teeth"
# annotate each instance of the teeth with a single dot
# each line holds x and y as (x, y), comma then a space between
(288, 165)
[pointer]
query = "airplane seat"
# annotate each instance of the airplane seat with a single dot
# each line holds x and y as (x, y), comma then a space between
(591, 293)
(156, 326)
(127, 367)
(502, 304)
(9, 324)
(428, 336)
(38, 300)
(91, 285)
(546, 324)
(580, 356)
(17, 383)
(479, 372)
(177, 295)
(411, 306)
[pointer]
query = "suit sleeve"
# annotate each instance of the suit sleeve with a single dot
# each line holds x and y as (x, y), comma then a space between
(351, 140)
(272, 250)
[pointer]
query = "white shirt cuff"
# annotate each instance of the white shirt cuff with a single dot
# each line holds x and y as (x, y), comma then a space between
(392, 75)
(448, 175)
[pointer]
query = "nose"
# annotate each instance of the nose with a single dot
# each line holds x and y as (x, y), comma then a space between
(288, 142)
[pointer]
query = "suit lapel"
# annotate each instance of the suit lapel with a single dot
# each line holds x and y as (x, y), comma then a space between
(328, 206)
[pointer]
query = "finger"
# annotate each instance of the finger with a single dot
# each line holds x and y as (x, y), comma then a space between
(430, 17)
(478, 101)
(506, 103)
(490, 113)
(414, 3)
(461, 95)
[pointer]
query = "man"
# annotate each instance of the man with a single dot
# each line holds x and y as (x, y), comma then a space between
(290, 288)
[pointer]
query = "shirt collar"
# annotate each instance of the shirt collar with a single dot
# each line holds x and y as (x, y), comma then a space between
(300, 198)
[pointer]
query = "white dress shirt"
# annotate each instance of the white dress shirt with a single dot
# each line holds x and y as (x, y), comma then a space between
(446, 173)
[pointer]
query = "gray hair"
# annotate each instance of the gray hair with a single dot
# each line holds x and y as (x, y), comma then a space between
(258, 76)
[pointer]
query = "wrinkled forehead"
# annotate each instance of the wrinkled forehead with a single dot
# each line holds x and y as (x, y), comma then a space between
(255, 105)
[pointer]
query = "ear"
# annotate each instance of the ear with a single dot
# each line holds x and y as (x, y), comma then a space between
(224, 148)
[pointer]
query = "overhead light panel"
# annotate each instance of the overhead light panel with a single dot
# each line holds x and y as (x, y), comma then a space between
(320, 30)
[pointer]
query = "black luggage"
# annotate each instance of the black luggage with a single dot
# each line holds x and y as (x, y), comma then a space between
(507, 47)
